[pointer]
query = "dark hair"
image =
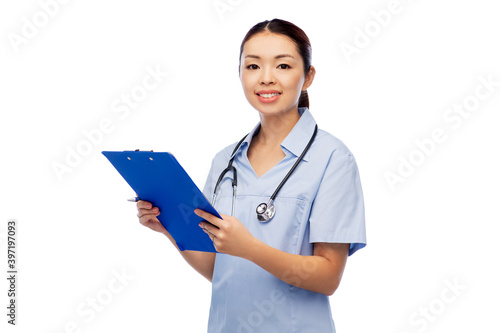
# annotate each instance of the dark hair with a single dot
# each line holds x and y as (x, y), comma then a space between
(297, 35)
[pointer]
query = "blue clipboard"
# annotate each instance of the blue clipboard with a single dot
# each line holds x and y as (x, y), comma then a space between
(157, 177)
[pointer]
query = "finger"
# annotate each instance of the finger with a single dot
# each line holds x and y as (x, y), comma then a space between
(144, 204)
(153, 212)
(148, 219)
(210, 235)
(208, 217)
(210, 229)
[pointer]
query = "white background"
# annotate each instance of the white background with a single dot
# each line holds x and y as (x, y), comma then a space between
(438, 227)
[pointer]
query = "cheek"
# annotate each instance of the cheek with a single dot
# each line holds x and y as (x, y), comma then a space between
(293, 83)
(247, 84)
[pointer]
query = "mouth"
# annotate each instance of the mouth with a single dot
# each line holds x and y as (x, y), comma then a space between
(268, 96)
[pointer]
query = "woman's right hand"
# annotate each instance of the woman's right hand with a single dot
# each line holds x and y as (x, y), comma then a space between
(148, 216)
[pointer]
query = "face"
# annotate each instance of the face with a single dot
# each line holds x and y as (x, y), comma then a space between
(272, 73)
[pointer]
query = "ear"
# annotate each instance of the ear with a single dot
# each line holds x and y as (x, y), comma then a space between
(309, 78)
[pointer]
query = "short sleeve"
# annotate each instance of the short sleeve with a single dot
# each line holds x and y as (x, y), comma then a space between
(337, 213)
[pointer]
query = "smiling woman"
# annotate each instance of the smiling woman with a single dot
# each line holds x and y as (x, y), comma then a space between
(274, 270)
(264, 69)
(301, 46)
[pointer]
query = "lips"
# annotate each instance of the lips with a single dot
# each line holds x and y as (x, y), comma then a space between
(268, 96)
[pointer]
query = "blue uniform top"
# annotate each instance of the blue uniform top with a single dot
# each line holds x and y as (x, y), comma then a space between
(321, 202)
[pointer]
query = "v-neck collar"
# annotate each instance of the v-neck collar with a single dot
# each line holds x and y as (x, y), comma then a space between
(295, 141)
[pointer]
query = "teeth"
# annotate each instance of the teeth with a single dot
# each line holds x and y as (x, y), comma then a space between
(269, 95)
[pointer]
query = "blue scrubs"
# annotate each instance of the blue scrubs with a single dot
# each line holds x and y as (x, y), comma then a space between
(321, 202)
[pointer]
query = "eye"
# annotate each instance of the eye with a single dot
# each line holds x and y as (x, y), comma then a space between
(284, 66)
(252, 66)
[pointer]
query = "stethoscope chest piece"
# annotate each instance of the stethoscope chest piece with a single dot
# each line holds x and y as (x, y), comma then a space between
(265, 212)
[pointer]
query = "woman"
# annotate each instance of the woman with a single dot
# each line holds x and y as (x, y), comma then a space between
(276, 276)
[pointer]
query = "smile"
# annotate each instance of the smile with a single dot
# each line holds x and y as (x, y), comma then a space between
(268, 95)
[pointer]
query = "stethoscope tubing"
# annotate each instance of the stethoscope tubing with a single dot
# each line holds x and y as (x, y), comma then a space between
(273, 196)
(265, 212)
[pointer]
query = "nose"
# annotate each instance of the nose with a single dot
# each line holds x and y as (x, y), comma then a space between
(267, 77)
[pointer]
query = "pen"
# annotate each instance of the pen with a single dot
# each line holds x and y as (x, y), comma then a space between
(134, 199)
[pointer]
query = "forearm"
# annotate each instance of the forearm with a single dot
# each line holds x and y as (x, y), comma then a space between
(315, 273)
(202, 262)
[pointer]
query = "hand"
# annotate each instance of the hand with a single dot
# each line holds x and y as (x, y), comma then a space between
(147, 216)
(229, 235)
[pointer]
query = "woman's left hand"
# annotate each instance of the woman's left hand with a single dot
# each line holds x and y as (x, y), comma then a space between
(229, 235)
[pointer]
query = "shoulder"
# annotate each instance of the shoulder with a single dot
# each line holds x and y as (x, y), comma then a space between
(226, 152)
(330, 146)
(221, 158)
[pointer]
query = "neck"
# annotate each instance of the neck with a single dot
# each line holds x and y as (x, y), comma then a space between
(275, 128)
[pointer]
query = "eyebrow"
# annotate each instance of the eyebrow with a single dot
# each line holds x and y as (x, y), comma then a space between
(279, 56)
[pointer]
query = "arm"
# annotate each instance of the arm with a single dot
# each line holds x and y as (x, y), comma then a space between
(320, 272)
(202, 262)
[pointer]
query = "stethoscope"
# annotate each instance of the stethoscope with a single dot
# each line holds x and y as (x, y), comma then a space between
(265, 211)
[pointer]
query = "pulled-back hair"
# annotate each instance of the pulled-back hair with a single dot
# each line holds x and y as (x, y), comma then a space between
(293, 32)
